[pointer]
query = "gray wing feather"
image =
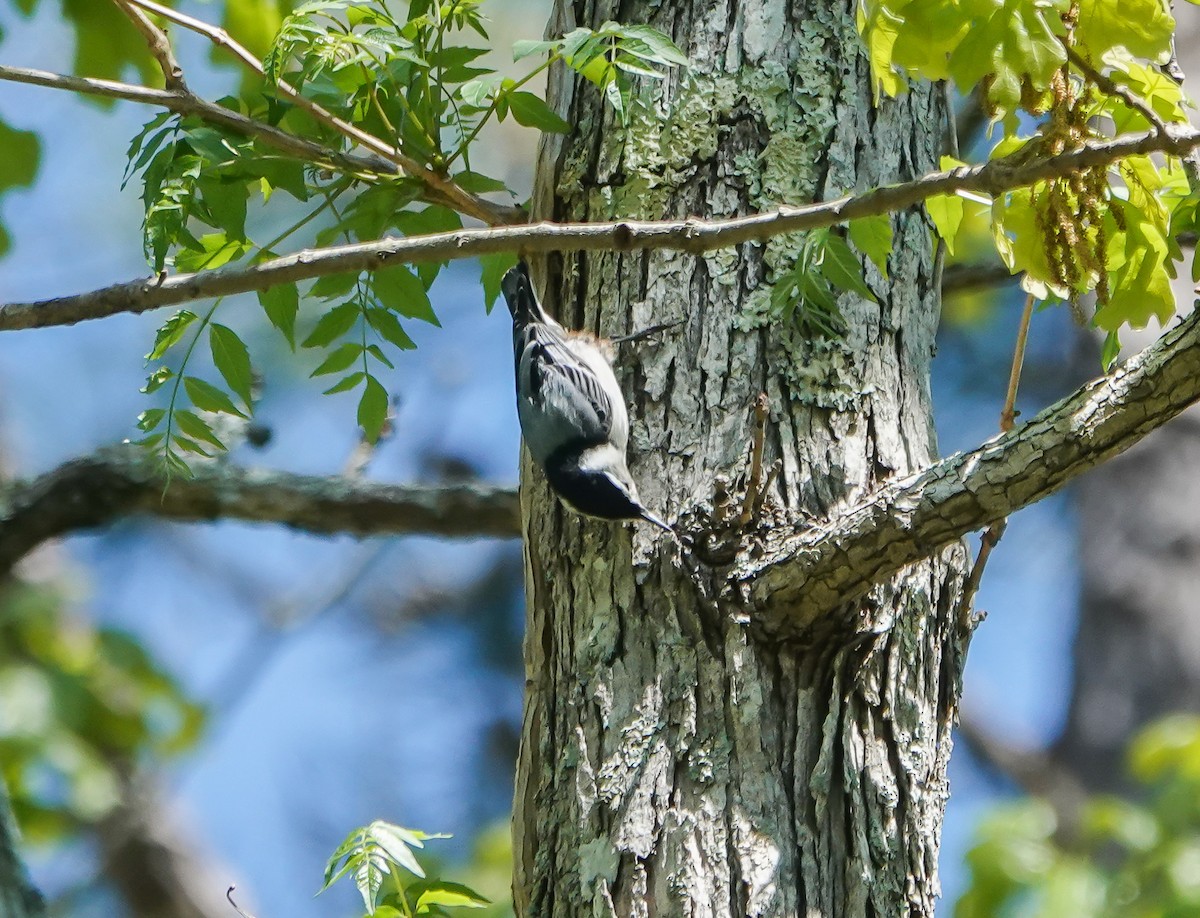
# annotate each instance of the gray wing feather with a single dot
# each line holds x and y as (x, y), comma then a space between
(566, 401)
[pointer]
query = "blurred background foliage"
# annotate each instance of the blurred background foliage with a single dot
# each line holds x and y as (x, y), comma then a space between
(188, 708)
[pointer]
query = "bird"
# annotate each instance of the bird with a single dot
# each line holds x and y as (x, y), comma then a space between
(572, 412)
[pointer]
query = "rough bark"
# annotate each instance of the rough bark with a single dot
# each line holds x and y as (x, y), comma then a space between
(671, 763)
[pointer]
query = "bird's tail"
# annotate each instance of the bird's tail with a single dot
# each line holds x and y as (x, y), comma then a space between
(517, 287)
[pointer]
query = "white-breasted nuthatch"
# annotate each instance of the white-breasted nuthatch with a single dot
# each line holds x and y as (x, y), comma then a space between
(572, 411)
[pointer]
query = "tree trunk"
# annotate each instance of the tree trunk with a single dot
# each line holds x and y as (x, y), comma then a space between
(672, 762)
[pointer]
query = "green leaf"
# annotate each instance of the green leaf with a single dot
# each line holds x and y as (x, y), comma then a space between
(345, 384)
(20, 153)
(401, 291)
(1143, 27)
(531, 111)
(190, 446)
(492, 271)
(946, 212)
(375, 351)
(333, 285)
(150, 418)
(841, 268)
(232, 361)
(215, 250)
(281, 305)
(653, 45)
(445, 894)
(1111, 349)
(873, 237)
(207, 397)
(525, 48)
(340, 359)
(385, 322)
(372, 415)
(478, 183)
(168, 334)
(155, 380)
(333, 325)
(192, 426)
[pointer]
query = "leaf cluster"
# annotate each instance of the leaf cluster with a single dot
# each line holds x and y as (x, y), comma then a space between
(1125, 858)
(1109, 231)
(84, 707)
(418, 82)
(825, 267)
(381, 859)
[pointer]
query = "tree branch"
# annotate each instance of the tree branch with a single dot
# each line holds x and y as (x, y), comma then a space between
(804, 573)
(441, 189)
(111, 484)
(160, 47)
(691, 235)
(185, 103)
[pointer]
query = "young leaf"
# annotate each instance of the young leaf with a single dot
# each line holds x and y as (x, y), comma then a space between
(385, 322)
(207, 397)
(168, 334)
(841, 268)
(281, 305)
(155, 380)
(444, 894)
(400, 290)
(150, 418)
(492, 271)
(333, 285)
(193, 426)
(333, 325)
(345, 384)
(531, 111)
(946, 212)
(340, 359)
(873, 237)
(372, 415)
(232, 361)
(525, 48)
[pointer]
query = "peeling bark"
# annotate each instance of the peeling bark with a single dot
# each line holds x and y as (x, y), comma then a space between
(671, 764)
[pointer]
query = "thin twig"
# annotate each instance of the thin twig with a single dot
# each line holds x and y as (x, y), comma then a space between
(756, 456)
(645, 332)
(1113, 88)
(1191, 162)
(690, 235)
(186, 103)
(1008, 415)
(441, 188)
(159, 45)
(237, 908)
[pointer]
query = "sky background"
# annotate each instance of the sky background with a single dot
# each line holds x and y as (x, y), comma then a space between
(373, 702)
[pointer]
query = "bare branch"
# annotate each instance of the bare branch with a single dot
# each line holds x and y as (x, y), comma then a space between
(691, 235)
(185, 103)
(970, 277)
(804, 573)
(442, 189)
(159, 46)
(111, 484)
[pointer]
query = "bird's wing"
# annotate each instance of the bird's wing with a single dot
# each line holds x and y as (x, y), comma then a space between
(567, 399)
